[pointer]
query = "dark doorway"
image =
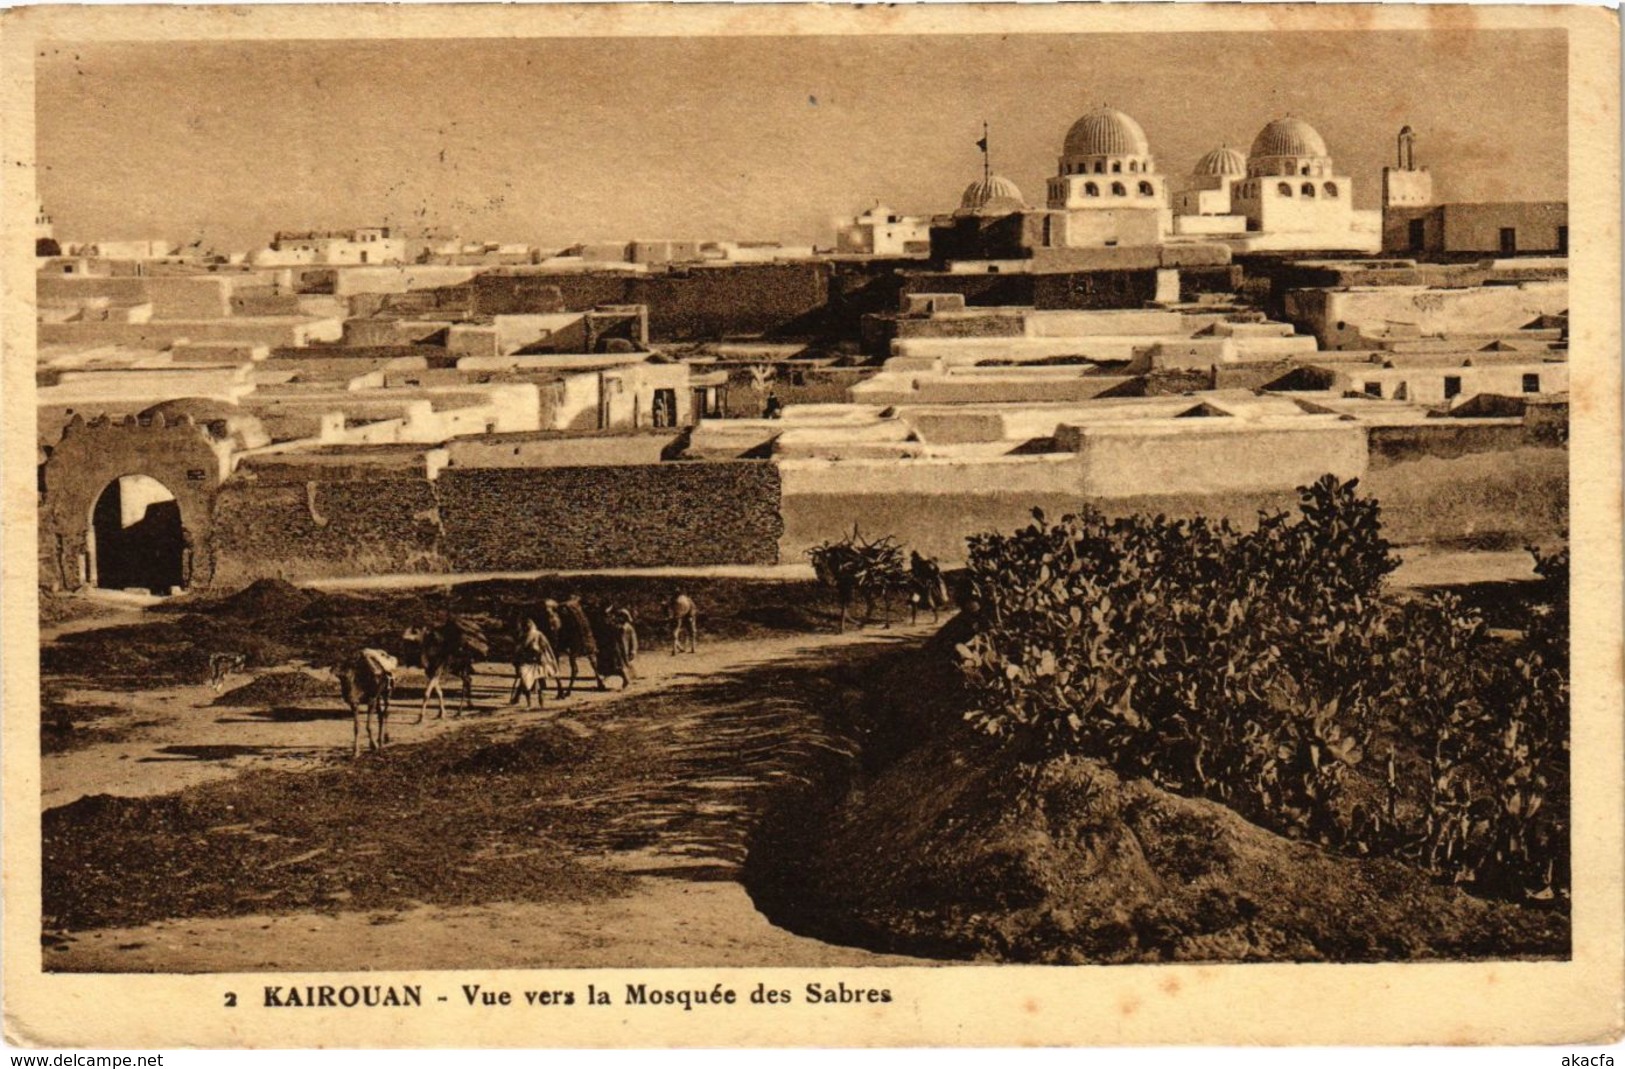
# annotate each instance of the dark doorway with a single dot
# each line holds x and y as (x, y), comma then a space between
(1563, 240)
(1509, 240)
(664, 409)
(1418, 234)
(136, 537)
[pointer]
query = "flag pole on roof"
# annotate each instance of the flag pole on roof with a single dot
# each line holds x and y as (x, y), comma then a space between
(987, 166)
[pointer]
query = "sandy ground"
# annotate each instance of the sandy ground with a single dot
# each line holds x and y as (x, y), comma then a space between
(175, 737)
(664, 923)
(679, 914)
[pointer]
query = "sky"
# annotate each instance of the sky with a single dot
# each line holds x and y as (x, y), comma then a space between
(551, 141)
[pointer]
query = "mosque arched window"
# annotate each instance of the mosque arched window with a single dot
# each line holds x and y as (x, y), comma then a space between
(1145, 189)
(1306, 169)
(1118, 190)
(1284, 188)
(1117, 167)
(1331, 189)
(1091, 190)
(1100, 166)
(1309, 189)
(1134, 165)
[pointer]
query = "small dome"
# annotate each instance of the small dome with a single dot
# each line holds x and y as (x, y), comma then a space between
(993, 195)
(1106, 133)
(1220, 162)
(1288, 137)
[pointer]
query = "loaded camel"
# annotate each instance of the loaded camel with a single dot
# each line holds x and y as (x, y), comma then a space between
(572, 637)
(448, 649)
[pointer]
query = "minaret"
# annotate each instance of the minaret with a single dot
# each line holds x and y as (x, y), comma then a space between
(1405, 185)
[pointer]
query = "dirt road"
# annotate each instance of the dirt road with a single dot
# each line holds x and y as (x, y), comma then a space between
(678, 826)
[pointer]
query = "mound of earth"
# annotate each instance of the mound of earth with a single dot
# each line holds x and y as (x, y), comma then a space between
(959, 851)
(279, 688)
(953, 847)
(158, 652)
(261, 599)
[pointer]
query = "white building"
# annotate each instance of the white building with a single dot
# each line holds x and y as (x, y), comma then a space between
(880, 231)
(364, 245)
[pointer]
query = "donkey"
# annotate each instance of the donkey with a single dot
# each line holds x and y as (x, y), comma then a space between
(366, 680)
(926, 587)
(685, 619)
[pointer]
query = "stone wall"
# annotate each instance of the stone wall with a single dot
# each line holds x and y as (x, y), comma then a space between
(1446, 439)
(514, 519)
(685, 304)
(1496, 500)
(340, 523)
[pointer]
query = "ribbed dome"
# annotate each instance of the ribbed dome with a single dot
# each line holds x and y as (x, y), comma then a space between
(995, 194)
(1288, 137)
(1221, 161)
(1106, 133)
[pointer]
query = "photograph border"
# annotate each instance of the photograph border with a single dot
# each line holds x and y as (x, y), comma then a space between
(1501, 1002)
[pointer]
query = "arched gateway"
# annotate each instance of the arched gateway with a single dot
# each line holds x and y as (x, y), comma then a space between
(128, 503)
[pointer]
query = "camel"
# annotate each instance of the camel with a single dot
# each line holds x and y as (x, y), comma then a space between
(684, 617)
(573, 638)
(366, 680)
(448, 649)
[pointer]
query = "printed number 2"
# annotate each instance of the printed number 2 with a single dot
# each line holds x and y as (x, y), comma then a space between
(231, 999)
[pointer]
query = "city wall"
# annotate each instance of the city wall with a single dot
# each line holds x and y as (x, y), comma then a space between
(693, 304)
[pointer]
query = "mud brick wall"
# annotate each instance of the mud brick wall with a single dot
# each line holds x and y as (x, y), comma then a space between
(685, 304)
(1095, 289)
(518, 519)
(336, 526)
(1439, 438)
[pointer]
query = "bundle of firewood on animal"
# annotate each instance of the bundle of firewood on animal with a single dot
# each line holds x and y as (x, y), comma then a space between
(449, 649)
(856, 567)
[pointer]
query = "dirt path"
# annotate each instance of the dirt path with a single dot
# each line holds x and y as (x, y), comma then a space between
(175, 737)
(721, 729)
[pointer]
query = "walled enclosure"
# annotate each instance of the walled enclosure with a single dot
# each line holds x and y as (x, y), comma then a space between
(298, 520)
(89, 456)
(681, 514)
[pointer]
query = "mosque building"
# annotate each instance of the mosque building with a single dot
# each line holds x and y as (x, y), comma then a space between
(1107, 192)
(1204, 205)
(1293, 198)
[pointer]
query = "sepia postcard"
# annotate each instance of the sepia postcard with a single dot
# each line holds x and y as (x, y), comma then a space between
(762, 526)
